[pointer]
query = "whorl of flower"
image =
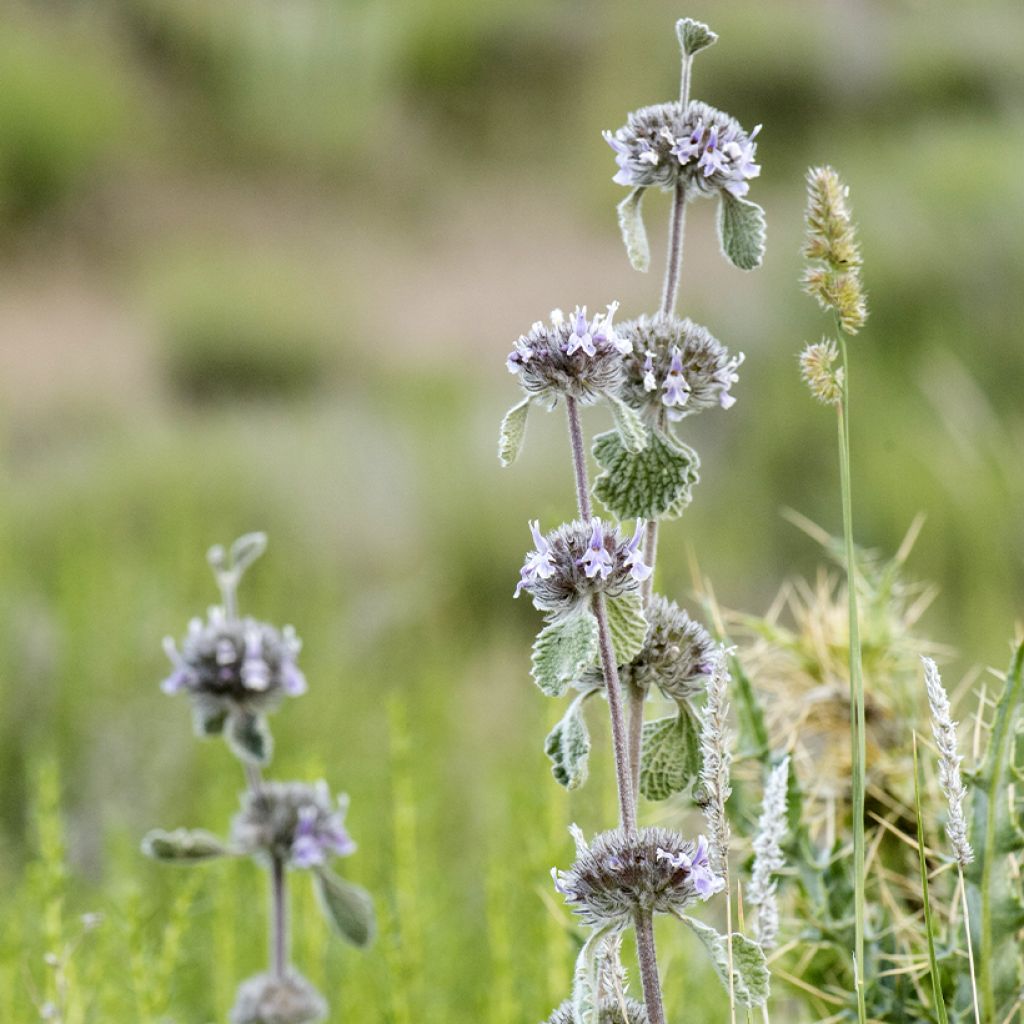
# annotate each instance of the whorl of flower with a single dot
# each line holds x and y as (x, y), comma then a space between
(226, 665)
(294, 822)
(715, 738)
(817, 368)
(944, 731)
(649, 869)
(768, 858)
(704, 148)
(677, 367)
(267, 999)
(611, 1012)
(573, 356)
(831, 246)
(579, 559)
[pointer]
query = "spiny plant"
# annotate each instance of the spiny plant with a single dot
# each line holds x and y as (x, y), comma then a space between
(607, 634)
(235, 671)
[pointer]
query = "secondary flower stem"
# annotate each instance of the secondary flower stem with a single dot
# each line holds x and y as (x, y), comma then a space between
(649, 967)
(579, 458)
(279, 920)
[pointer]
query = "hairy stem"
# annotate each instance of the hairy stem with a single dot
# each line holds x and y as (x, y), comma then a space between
(857, 725)
(970, 945)
(674, 263)
(279, 920)
(648, 958)
(579, 458)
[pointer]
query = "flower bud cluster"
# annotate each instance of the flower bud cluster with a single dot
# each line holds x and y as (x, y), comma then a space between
(622, 872)
(704, 149)
(293, 822)
(573, 356)
(677, 367)
(579, 559)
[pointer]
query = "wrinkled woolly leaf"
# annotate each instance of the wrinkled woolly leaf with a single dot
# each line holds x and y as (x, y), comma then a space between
(741, 231)
(629, 425)
(568, 746)
(694, 35)
(634, 234)
(347, 907)
(183, 846)
(562, 652)
(652, 484)
(513, 433)
(585, 996)
(627, 625)
(750, 976)
(670, 755)
(208, 721)
(249, 737)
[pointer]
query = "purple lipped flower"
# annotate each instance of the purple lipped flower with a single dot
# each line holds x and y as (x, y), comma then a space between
(634, 556)
(181, 675)
(687, 148)
(676, 388)
(307, 850)
(726, 377)
(622, 153)
(597, 561)
(704, 880)
(581, 337)
(539, 565)
(712, 159)
(255, 671)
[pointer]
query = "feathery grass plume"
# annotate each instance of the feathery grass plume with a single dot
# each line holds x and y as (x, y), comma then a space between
(768, 858)
(944, 731)
(716, 759)
(819, 372)
(831, 246)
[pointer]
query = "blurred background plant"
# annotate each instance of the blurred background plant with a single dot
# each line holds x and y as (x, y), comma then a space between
(260, 263)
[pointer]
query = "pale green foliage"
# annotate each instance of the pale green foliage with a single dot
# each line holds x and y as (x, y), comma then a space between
(347, 907)
(249, 737)
(568, 745)
(670, 755)
(629, 425)
(634, 235)
(627, 625)
(183, 846)
(741, 231)
(656, 483)
(513, 433)
(585, 1001)
(563, 651)
(694, 35)
(750, 977)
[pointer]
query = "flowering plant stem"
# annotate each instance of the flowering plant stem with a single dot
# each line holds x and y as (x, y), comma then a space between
(279, 924)
(857, 725)
(649, 968)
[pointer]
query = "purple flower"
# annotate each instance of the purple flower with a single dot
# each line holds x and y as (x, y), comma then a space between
(597, 561)
(712, 159)
(622, 152)
(540, 565)
(581, 338)
(686, 149)
(726, 377)
(181, 675)
(634, 556)
(255, 671)
(677, 390)
(650, 381)
(705, 881)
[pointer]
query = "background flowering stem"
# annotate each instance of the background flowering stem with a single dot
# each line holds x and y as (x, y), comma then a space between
(279, 920)
(857, 727)
(649, 968)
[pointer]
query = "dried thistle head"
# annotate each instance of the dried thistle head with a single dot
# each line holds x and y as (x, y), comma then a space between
(820, 374)
(676, 367)
(570, 356)
(266, 999)
(831, 247)
(612, 1011)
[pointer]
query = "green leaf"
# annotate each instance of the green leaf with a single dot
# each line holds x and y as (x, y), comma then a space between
(208, 720)
(249, 737)
(246, 550)
(513, 433)
(741, 231)
(669, 755)
(750, 978)
(183, 846)
(347, 907)
(655, 483)
(627, 625)
(568, 745)
(629, 425)
(634, 235)
(563, 651)
(694, 35)
(585, 996)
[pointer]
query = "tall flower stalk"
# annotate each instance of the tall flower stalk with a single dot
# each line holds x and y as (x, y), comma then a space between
(608, 633)
(833, 278)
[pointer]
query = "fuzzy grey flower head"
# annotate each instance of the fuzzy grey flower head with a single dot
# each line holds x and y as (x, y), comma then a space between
(678, 654)
(609, 1013)
(572, 355)
(265, 999)
(650, 869)
(676, 367)
(293, 821)
(703, 148)
(579, 559)
(227, 664)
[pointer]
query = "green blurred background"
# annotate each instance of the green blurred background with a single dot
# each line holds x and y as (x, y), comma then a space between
(260, 265)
